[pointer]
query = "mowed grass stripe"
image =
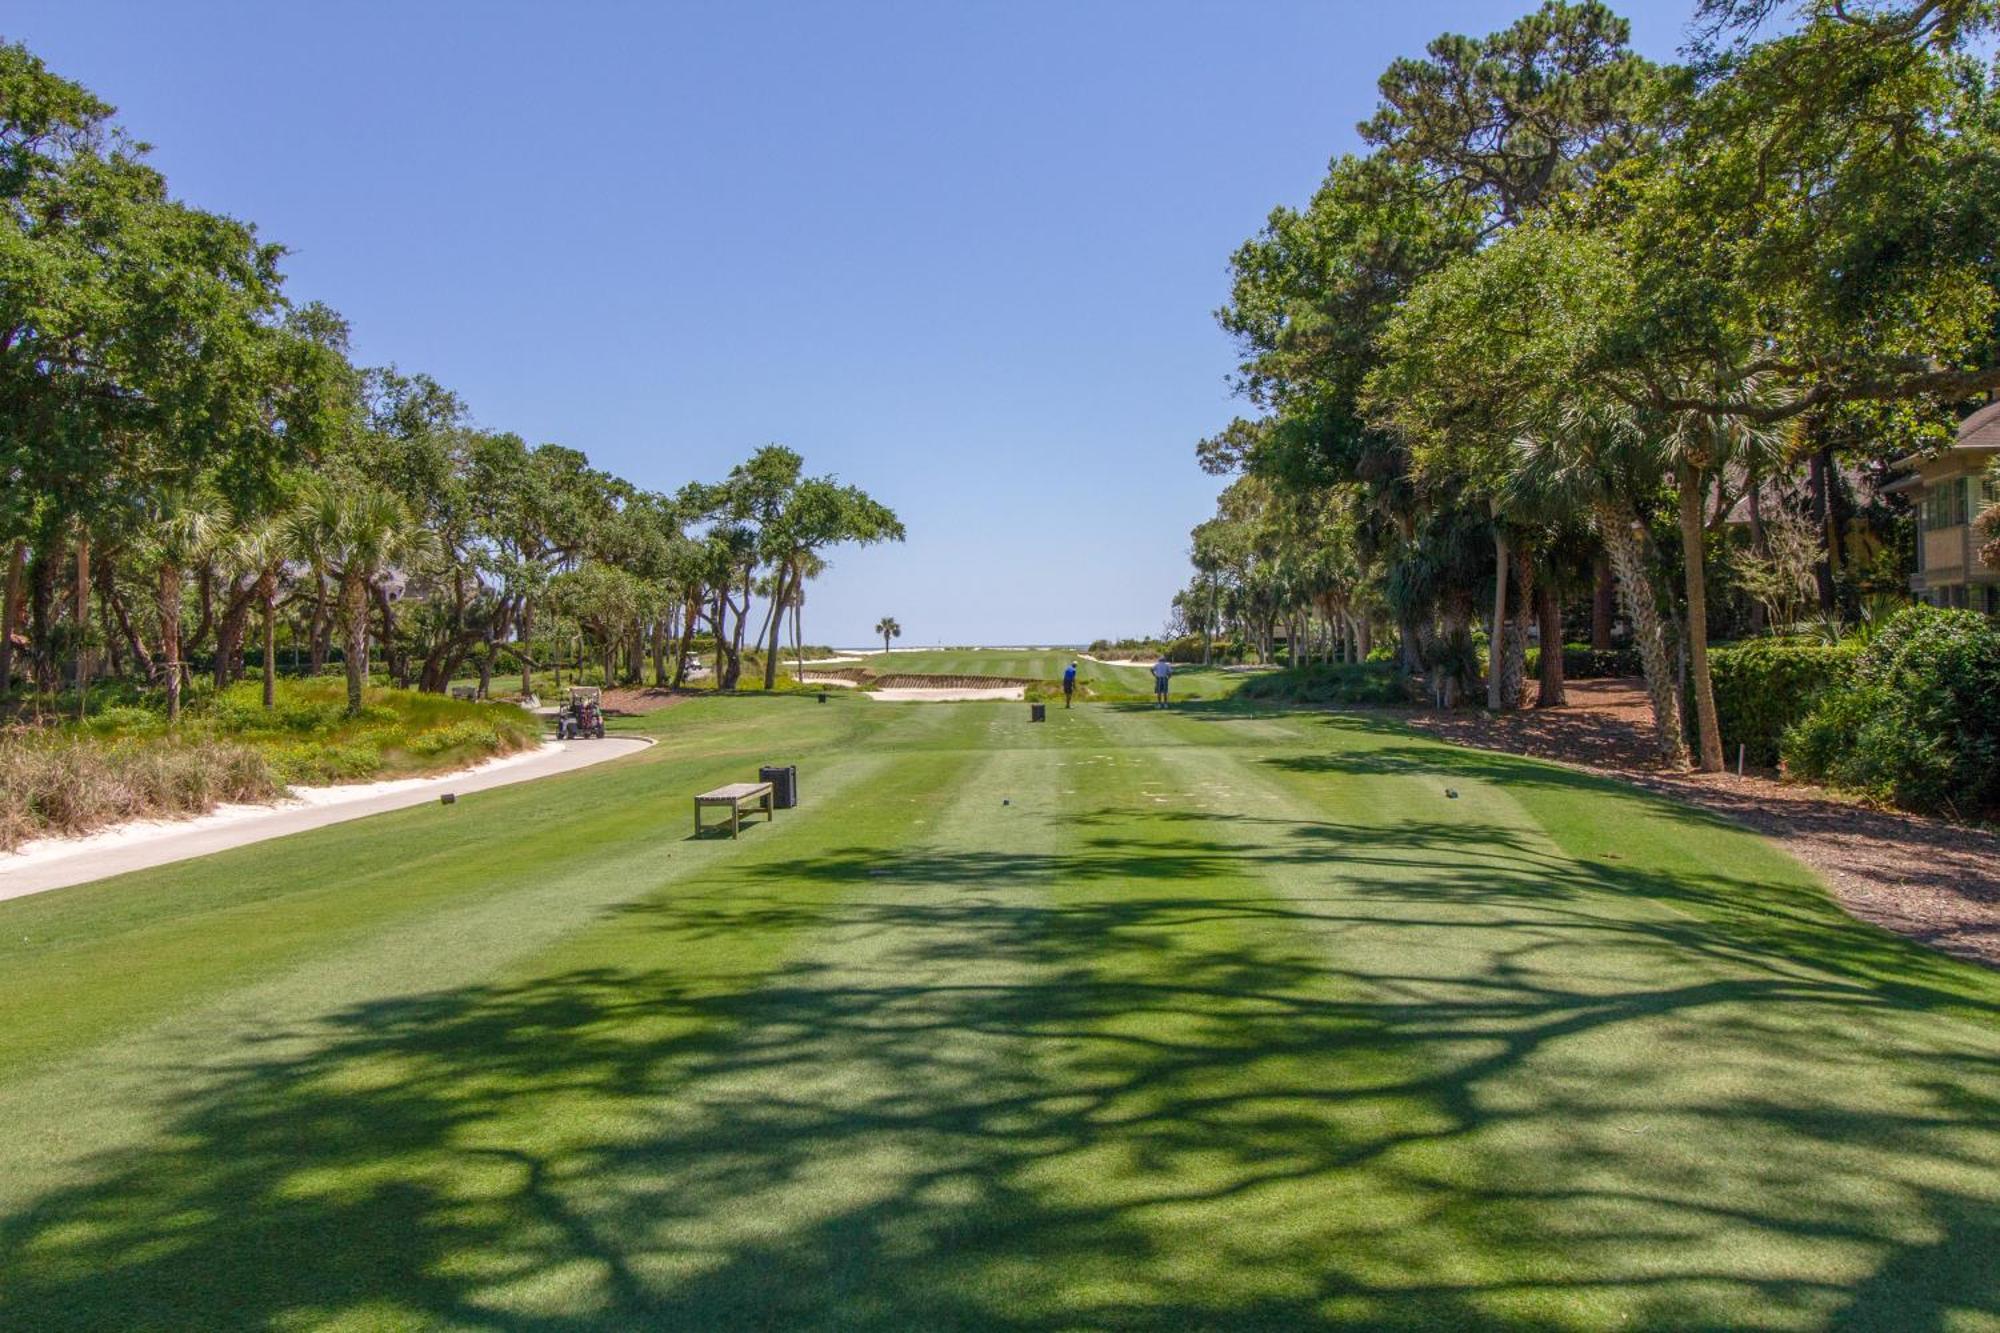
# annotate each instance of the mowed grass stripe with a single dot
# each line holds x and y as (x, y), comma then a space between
(1215, 1018)
(1623, 1056)
(179, 934)
(125, 1089)
(799, 1158)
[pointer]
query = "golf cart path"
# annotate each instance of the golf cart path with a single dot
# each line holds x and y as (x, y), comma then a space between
(54, 863)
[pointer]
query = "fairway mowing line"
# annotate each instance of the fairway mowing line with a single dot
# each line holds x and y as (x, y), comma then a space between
(1606, 1067)
(872, 1072)
(125, 1089)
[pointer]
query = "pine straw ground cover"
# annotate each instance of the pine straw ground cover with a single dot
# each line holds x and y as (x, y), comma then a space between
(1210, 1018)
(126, 763)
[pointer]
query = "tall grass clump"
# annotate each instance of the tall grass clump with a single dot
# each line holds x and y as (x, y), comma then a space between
(124, 762)
(57, 784)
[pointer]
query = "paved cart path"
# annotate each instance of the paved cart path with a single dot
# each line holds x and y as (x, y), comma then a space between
(152, 843)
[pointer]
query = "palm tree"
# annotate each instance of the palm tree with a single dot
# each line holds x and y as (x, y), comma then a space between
(1697, 447)
(352, 535)
(888, 629)
(260, 550)
(185, 528)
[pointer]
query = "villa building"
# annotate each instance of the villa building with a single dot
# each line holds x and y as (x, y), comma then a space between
(1949, 491)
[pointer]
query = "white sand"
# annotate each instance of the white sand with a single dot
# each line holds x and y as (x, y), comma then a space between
(837, 682)
(914, 694)
(51, 863)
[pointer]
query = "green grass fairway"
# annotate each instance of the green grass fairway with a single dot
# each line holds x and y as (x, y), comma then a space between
(1213, 1018)
(1047, 664)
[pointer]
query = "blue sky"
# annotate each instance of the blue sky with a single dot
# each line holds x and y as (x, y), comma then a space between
(962, 255)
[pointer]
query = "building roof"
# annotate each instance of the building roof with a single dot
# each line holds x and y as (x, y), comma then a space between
(1978, 433)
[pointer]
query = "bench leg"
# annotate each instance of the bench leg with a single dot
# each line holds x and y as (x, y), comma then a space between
(697, 819)
(735, 818)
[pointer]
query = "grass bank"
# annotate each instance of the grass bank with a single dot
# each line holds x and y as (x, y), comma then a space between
(125, 762)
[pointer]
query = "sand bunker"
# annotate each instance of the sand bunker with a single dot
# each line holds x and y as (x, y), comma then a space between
(947, 694)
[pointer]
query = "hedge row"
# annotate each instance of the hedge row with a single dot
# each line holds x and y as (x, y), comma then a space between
(1765, 686)
(1917, 721)
(1583, 662)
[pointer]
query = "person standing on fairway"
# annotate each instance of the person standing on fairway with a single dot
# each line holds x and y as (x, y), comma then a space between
(1162, 672)
(1069, 683)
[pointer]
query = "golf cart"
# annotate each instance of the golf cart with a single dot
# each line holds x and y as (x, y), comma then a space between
(582, 716)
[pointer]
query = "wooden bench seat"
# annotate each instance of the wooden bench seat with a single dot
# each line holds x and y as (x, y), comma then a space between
(733, 796)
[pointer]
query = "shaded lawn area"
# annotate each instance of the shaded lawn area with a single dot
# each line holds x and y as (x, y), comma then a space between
(1218, 1018)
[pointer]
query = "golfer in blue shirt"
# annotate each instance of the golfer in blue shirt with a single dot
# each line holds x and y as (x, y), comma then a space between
(1069, 683)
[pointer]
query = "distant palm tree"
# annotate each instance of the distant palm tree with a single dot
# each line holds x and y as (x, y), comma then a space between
(186, 528)
(888, 629)
(354, 535)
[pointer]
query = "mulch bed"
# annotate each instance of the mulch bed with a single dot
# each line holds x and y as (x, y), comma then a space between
(1934, 881)
(651, 700)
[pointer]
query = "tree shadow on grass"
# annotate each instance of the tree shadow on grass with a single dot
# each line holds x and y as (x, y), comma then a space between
(1036, 1091)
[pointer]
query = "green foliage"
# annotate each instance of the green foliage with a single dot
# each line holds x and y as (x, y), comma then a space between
(1917, 723)
(1324, 683)
(126, 762)
(1765, 686)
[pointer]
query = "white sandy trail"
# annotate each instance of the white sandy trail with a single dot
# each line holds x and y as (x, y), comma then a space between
(54, 863)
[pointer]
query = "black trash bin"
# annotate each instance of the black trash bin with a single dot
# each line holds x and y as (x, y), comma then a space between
(784, 784)
(1038, 712)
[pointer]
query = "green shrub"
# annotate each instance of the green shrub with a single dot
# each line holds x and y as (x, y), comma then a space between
(1583, 662)
(1764, 686)
(1918, 722)
(456, 736)
(318, 763)
(1327, 683)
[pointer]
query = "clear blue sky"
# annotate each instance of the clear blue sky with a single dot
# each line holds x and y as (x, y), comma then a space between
(963, 255)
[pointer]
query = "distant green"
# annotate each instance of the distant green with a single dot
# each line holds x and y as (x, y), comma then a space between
(1103, 678)
(1213, 1018)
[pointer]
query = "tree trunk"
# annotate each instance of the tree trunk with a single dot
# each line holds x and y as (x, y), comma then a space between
(319, 629)
(690, 621)
(1603, 602)
(1496, 690)
(141, 659)
(521, 637)
(42, 575)
(1514, 666)
(1708, 735)
(1623, 543)
(354, 614)
(10, 612)
(778, 596)
(230, 631)
(270, 647)
(1549, 620)
(81, 610)
(169, 592)
(1760, 542)
(1822, 511)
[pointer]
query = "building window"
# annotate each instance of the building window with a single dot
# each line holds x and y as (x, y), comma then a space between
(1945, 504)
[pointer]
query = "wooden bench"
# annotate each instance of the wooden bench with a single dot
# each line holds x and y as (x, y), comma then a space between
(733, 796)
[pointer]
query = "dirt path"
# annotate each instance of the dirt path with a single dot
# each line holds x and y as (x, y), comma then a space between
(56, 864)
(1931, 880)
